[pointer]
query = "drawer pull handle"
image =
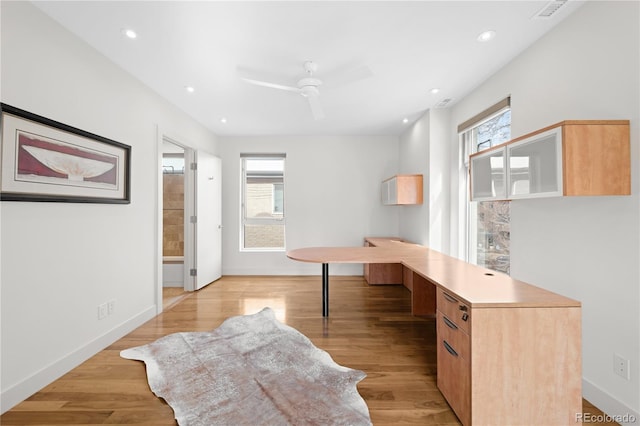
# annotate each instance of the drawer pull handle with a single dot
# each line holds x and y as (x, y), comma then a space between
(450, 298)
(449, 323)
(449, 348)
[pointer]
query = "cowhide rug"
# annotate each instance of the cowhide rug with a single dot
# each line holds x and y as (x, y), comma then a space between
(251, 370)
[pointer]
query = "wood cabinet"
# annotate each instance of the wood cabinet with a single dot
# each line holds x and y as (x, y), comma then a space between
(402, 190)
(493, 366)
(570, 158)
(382, 273)
(526, 363)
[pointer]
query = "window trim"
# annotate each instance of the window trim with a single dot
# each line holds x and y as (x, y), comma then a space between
(485, 115)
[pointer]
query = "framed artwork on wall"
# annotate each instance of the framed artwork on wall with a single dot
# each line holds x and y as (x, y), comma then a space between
(44, 160)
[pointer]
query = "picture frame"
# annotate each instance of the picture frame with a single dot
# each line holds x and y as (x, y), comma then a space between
(45, 160)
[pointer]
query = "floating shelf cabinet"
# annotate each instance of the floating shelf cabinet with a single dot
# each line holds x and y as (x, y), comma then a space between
(402, 190)
(585, 157)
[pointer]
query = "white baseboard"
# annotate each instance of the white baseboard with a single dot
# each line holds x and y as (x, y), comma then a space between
(310, 269)
(21, 391)
(618, 411)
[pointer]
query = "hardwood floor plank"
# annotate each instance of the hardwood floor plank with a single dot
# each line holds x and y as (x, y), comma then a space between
(370, 328)
(57, 417)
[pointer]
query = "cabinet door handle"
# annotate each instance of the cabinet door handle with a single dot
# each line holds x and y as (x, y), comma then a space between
(450, 298)
(449, 348)
(450, 323)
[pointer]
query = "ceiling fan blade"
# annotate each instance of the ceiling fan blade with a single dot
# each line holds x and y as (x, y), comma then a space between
(316, 107)
(271, 85)
(247, 76)
(342, 77)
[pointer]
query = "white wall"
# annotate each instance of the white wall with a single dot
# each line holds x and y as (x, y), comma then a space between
(414, 159)
(587, 248)
(424, 149)
(332, 198)
(59, 261)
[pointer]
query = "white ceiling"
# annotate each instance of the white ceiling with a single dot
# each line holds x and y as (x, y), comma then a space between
(410, 47)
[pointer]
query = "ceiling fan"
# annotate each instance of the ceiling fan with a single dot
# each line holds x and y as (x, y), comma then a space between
(308, 85)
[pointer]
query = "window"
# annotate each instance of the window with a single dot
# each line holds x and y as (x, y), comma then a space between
(488, 230)
(173, 163)
(262, 224)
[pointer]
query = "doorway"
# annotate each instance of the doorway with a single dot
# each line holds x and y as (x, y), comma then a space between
(188, 256)
(173, 216)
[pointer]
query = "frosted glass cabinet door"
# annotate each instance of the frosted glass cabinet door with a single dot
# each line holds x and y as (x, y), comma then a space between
(389, 191)
(535, 165)
(488, 176)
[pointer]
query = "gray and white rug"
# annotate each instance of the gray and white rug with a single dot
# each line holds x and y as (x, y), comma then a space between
(252, 370)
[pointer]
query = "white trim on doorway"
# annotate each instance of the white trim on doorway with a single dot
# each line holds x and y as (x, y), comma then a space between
(189, 234)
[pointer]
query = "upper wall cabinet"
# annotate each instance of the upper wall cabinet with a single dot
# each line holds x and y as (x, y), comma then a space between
(402, 190)
(568, 158)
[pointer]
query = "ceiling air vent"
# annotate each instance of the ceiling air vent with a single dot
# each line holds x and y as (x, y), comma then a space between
(550, 9)
(443, 103)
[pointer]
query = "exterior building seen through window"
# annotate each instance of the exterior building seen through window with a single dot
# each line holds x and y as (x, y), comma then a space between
(263, 220)
(488, 222)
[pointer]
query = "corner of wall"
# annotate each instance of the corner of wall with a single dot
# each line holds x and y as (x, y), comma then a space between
(19, 392)
(617, 411)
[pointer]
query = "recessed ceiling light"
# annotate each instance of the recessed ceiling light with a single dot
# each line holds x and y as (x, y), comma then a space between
(223, 120)
(434, 90)
(189, 89)
(405, 120)
(486, 36)
(129, 33)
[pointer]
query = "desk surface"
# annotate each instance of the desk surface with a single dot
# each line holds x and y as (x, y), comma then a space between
(477, 286)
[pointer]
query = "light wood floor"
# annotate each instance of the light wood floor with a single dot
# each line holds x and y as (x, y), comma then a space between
(172, 295)
(370, 328)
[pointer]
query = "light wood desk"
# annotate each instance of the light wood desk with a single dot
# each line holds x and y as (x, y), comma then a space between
(508, 352)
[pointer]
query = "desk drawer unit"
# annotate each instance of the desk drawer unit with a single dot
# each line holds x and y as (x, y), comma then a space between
(454, 309)
(454, 354)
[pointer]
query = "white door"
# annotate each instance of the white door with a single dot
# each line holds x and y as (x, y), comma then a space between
(208, 223)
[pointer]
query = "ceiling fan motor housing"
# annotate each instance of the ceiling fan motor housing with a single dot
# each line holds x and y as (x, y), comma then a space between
(310, 67)
(309, 86)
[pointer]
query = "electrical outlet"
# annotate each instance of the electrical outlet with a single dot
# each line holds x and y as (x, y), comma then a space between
(111, 306)
(102, 311)
(621, 366)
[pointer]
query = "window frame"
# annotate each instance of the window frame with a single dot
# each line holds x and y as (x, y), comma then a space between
(467, 134)
(275, 200)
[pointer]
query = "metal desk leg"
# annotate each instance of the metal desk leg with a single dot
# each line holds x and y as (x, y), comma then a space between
(325, 289)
